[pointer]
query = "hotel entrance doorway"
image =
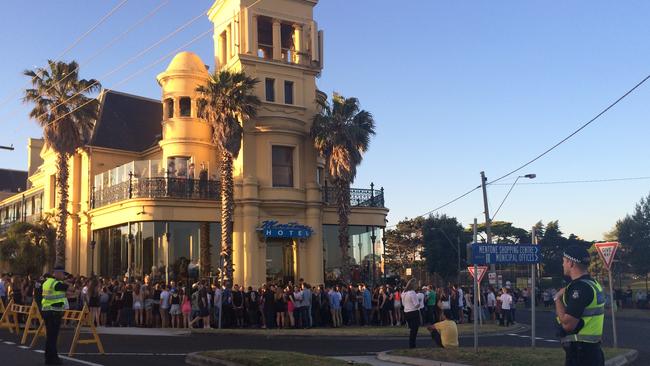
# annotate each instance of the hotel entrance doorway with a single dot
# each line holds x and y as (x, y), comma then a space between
(280, 261)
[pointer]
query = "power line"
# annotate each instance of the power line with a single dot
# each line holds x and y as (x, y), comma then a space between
(442, 206)
(574, 132)
(73, 45)
(101, 50)
(547, 150)
(123, 65)
(151, 65)
(580, 181)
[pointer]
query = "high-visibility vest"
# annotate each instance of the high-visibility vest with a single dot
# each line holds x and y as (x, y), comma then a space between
(593, 316)
(52, 296)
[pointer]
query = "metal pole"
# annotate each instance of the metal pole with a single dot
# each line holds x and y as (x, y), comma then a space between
(374, 266)
(476, 294)
(532, 295)
(458, 255)
(488, 222)
(611, 297)
(383, 241)
(480, 305)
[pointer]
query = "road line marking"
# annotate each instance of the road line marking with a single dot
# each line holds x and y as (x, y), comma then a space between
(80, 361)
(39, 351)
(9, 343)
(130, 354)
(23, 347)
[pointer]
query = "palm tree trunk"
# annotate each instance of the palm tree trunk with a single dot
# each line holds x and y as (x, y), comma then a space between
(62, 186)
(227, 213)
(205, 250)
(343, 207)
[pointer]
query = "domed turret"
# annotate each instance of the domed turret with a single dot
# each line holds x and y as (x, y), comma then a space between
(186, 138)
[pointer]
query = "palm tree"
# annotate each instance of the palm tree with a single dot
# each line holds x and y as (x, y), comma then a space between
(67, 117)
(226, 101)
(341, 134)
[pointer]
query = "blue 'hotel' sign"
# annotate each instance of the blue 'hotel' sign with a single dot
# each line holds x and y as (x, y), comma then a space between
(292, 230)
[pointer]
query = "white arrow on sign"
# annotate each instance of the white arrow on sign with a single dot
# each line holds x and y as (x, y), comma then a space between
(607, 251)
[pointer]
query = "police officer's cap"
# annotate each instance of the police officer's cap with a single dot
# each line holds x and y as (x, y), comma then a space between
(577, 254)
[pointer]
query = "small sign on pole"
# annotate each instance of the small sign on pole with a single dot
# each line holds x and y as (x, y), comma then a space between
(482, 270)
(607, 251)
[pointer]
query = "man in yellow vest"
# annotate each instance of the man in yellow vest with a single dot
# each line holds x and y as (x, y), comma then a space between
(580, 308)
(53, 305)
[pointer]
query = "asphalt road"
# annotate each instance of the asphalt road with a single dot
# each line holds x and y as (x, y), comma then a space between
(170, 350)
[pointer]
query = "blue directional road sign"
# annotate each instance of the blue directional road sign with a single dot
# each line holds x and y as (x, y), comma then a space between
(505, 253)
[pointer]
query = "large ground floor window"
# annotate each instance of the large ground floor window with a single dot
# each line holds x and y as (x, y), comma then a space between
(162, 250)
(360, 252)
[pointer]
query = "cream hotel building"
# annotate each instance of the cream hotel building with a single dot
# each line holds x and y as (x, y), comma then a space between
(144, 188)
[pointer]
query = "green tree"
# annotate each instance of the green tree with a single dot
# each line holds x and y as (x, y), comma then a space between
(67, 115)
(23, 250)
(341, 133)
(227, 102)
(634, 236)
(404, 246)
(505, 233)
(444, 240)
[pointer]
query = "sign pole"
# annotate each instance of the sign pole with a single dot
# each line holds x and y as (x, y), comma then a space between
(533, 294)
(613, 303)
(476, 294)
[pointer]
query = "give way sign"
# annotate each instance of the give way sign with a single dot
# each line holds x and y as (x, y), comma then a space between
(481, 272)
(607, 252)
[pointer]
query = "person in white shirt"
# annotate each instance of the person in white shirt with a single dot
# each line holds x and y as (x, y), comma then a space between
(421, 296)
(411, 310)
(506, 306)
(461, 305)
(491, 303)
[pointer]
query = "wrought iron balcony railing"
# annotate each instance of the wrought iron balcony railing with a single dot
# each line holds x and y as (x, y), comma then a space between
(157, 188)
(359, 197)
(182, 188)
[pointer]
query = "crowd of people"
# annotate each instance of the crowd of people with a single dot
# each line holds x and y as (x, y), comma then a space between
(128, 303)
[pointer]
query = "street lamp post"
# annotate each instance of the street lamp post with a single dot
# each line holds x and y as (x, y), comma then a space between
(383, 240)
(488, 220)
(373, 237)
(92, 258)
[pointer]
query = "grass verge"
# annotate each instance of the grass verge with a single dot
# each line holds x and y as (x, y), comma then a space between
(501, 356)
(463, 329)
(248, 357)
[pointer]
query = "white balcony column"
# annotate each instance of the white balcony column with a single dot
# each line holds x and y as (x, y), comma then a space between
(254, 40)
(277, 40)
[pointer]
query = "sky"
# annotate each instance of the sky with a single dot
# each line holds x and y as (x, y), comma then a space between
(455, 87)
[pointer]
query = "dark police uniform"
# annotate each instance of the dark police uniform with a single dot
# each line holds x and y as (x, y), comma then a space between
(53, 306)
(584, 300)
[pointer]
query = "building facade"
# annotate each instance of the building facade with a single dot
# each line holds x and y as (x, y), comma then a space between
(144, 191)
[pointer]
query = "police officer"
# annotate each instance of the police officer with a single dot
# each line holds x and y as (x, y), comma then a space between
(53, 305)
(580, 308)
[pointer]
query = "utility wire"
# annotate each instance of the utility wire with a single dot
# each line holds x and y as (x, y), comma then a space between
(123, 65)
(100, 51)
(547, 150)
(73, 45)
(442, 206)
(580, 181)
(574, 132)
(151, 65)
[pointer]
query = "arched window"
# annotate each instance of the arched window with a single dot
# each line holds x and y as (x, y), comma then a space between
(185, 105)
(169, 107)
